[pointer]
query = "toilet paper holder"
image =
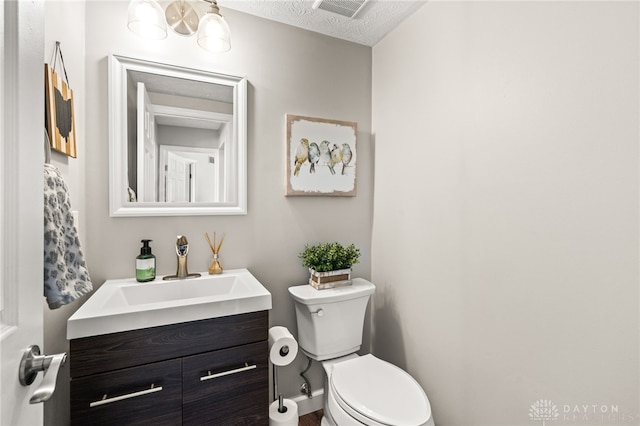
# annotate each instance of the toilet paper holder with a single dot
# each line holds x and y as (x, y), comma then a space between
(276, 395)
(282, 351)
(282, 412)
(281, 407)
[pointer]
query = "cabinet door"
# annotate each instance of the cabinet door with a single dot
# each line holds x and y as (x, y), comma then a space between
(227, 387)
(144, 395)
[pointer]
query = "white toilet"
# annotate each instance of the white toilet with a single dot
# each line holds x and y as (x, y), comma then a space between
(358, 390)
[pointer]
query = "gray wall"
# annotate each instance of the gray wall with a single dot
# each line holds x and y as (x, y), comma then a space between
(64, 22)
(505, 237)
(289, 71)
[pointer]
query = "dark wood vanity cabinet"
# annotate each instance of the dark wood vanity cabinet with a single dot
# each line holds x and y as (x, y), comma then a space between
(142, 403)
(208, 372)
(209, 398)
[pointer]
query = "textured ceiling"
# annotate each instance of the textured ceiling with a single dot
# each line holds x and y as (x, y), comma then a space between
(376, 19)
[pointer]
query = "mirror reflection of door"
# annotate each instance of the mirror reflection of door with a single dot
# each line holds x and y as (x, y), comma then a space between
(187, 132)
(178, 181)
(189, 174)
(147, 175)
(171, 113)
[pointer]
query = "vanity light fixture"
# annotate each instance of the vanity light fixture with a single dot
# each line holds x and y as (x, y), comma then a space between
(182, 18)
(213, 31)
(147, 20)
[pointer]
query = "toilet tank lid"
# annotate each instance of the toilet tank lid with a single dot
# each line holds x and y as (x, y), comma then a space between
(307, 295)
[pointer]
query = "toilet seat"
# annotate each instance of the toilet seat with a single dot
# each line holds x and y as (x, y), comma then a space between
(376, 392)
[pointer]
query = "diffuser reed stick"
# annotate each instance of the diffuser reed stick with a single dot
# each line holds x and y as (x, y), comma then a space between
(219, 244)
(211, 245)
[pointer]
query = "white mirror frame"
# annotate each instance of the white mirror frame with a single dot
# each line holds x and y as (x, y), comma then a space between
(119, 206)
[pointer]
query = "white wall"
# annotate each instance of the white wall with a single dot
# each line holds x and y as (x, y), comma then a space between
(505, 237)
(64, 22)
(289, 71)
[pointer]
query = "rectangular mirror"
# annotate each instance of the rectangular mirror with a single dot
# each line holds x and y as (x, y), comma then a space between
(177, 140)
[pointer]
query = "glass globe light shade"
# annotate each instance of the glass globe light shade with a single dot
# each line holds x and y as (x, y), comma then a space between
(146, 19)
(213, 33)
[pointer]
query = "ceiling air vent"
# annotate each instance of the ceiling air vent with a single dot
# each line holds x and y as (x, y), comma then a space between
(347, 8)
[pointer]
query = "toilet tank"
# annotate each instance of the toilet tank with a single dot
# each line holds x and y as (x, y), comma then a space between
(330, 321)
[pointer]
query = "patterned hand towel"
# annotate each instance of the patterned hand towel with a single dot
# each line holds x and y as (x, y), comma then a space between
(66, 277)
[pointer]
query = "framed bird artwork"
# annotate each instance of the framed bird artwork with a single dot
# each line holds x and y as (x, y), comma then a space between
(59, 113)
(321, 156)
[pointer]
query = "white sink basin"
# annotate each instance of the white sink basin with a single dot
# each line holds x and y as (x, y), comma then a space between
(123, 305)
(132, 294)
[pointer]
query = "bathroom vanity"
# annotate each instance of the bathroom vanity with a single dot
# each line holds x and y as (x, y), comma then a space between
(204, 371)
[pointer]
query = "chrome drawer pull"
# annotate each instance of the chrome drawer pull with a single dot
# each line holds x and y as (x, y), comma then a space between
(106, 400)
(226, 373)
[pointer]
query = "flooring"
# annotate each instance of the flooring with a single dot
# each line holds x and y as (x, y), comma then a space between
(311, 419)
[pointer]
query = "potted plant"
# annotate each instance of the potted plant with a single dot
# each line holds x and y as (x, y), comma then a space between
(329, 264)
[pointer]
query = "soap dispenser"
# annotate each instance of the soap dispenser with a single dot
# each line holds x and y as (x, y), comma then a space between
(145, 263)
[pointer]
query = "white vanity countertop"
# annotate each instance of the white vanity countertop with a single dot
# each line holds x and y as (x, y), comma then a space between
(125, 304)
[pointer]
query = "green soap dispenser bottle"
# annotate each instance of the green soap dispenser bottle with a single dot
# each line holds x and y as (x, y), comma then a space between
(145, 263)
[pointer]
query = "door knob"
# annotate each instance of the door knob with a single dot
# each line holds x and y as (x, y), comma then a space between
(32, 363)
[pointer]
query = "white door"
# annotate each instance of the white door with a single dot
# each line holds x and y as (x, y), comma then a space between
(146, 147)
(21, 203)
(177, 177)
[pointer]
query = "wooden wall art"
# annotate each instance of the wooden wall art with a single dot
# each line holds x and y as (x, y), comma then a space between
(59, 111)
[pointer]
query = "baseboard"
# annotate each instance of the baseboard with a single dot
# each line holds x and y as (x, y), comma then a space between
(308, 405)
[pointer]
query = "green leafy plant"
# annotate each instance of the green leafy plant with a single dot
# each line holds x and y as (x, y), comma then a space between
(329, 256)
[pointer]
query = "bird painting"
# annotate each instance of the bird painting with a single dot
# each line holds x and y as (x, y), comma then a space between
(346, 156)
(314, 156)
(336, 158)
(302, 155)
(321, 156)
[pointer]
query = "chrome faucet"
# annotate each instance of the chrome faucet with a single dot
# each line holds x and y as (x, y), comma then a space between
(182, 250)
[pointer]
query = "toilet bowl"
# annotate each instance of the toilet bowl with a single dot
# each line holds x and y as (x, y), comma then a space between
(358, 390)
(369, 391)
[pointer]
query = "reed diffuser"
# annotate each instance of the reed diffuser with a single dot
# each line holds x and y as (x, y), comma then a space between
(215, 267)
